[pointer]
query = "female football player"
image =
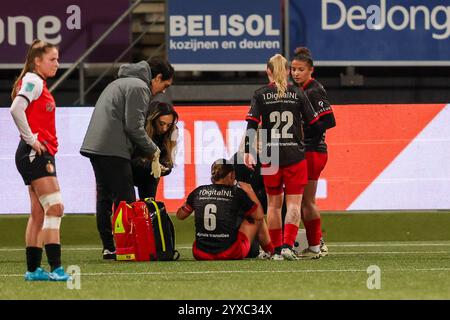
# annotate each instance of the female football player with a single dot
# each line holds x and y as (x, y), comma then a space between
(33, 111)
(302, 68)
(228, 217)
(281, 108)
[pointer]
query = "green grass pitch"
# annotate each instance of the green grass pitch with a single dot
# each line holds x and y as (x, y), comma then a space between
(411, 250)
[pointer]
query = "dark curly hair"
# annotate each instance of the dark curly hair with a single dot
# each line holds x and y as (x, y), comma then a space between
(304, 54)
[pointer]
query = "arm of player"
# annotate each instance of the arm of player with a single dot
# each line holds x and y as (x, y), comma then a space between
(314, 122)
(188, 207)
(256, 213)
(30, 90)
(249, 144)
(184, 211)
(319, 101)
(17, 110)
(253, 118)
(324, 123)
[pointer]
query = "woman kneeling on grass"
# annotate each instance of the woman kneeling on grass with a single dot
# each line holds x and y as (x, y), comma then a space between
(227, 217)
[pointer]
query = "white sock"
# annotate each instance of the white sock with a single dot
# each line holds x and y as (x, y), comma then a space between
(315, 248)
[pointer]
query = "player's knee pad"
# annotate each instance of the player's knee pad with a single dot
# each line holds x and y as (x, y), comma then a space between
(53, 209)
(51, 199)
(56, 210)
(51, 222)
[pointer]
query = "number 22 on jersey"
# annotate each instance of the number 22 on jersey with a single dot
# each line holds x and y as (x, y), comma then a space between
(279, 118)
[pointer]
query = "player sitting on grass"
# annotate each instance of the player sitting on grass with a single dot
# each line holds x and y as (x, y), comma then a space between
(219, 207)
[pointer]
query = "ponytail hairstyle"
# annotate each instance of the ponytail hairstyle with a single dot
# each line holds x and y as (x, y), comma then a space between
(36, 50)
(220, 169)
(170, 137)
(304, 54)
(278, 66)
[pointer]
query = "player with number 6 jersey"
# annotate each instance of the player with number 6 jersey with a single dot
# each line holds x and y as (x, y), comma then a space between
(227, 217)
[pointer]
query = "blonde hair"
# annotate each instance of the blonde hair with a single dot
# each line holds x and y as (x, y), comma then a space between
(36, 50)
(278, 66)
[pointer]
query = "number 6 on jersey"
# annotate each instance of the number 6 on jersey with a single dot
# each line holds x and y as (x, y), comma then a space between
(210, 217)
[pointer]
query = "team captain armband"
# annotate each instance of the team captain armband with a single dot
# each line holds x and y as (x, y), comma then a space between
(252, 209)
(187, 208)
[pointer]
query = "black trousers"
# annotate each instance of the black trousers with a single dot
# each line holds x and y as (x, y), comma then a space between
(114, 183)
(145, 182)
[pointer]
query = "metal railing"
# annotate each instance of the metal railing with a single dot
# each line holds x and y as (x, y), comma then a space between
(80, 60)
(83, 92)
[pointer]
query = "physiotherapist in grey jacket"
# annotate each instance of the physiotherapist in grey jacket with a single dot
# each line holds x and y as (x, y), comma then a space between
(116, 126)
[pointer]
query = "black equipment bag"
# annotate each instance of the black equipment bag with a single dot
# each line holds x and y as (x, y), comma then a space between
(163, 230)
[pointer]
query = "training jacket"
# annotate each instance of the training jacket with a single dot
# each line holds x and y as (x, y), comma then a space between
(118, 120)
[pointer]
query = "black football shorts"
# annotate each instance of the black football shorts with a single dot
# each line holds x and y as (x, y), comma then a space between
(32, 166)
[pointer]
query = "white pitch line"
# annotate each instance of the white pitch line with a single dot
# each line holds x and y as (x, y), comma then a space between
(63, 249)
(333, 253)
(331, 245)
(388, 252)
(420, 244)
(377, 245)
(244, 271)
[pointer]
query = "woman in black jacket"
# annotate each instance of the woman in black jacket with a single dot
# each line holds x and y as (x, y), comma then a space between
(161, 128)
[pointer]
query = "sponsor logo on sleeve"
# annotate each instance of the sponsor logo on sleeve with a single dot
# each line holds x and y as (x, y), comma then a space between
(29, 87)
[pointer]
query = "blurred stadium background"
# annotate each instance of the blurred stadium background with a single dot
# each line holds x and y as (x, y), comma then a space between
(385, 65)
